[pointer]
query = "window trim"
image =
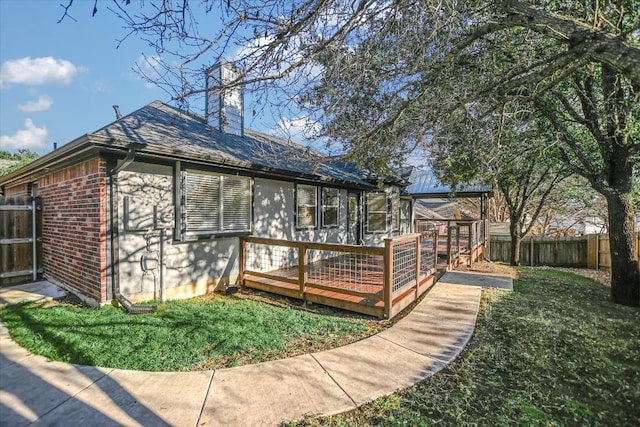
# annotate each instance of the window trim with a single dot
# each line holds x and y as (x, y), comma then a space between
(368, 212)
(409, 204)
(297, 208)
(336, 206)
(212, 233)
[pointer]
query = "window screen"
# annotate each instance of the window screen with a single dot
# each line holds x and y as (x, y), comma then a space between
(376, 212)
(330, 207)
(307, 205)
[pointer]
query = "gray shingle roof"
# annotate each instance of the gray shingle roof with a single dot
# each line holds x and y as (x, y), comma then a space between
(158, 126)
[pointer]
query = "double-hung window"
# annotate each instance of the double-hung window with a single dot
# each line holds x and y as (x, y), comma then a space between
(306, 206)
(405, 216)
(376, 212)
(216, 204)
(330, 207)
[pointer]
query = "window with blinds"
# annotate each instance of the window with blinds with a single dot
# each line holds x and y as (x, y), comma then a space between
(216, 204)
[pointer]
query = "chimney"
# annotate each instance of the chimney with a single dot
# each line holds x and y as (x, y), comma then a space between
(224, 109)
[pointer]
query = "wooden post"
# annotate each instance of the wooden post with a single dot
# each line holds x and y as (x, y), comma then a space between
(472, 247)
(34, 241)
(388, 277)
(436, 236)
(531, 252)
(302, 261)
(592, 251)
(486, 239)
(242, 254)
(418, 264)
(448, 244)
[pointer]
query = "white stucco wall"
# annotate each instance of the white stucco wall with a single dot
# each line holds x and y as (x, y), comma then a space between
(145, 204)
(190, 268)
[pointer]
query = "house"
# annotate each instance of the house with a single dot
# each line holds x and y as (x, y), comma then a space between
(153, 205)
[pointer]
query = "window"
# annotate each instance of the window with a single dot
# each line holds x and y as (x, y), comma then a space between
(306, 206)
(395, 211)
(330, 207)
(405, 216)
(216, 204)
(376, 212)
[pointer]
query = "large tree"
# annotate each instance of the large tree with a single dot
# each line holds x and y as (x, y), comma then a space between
(509, 148)
(380, 77)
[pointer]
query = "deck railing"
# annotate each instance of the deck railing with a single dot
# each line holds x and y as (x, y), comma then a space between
(372, 280)
(460, 240)
(379, 281)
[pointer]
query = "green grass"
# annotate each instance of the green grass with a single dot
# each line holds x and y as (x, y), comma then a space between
(217, 331)
(555, 352)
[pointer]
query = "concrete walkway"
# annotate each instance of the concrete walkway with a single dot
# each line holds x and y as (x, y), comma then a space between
(36, 391)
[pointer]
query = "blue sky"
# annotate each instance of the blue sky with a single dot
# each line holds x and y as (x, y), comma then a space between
(59, 81)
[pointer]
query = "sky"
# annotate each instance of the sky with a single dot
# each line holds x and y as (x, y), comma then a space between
(59, 81)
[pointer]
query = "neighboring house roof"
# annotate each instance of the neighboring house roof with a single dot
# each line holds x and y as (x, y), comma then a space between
(500, 229)
(425, 184)
(442, 209)
(423, 212)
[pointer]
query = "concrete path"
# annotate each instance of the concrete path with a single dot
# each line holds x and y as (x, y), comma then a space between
(34, 391)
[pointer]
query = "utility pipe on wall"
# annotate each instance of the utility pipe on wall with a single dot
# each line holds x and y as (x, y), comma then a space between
(115, 258)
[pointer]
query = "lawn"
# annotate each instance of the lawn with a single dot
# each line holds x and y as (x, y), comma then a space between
(555, 352)
(203, 333)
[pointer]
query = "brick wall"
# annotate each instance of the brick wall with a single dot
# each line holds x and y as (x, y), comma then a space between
(18, 190)
(74, 230)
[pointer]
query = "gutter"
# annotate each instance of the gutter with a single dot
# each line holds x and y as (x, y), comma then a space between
(115, 259)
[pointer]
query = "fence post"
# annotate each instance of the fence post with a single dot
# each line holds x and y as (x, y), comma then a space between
(592, 251)
(302, 261)
(418, 263)
(531, 251)
(436, 236)
(34, 240)
(242, 254)
(472, 246)
(448, 244)
(388, 277)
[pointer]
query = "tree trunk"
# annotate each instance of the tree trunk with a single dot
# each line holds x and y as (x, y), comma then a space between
(625, 275)
(516, 240)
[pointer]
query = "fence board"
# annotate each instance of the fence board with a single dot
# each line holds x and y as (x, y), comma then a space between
(582, 252)
(16, 237)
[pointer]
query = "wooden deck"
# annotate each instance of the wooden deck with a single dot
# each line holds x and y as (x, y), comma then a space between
(366, 280)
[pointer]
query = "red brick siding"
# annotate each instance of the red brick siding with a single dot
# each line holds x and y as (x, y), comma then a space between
(74, 230)
(18, 190)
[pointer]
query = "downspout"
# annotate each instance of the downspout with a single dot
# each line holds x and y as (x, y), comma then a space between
(115, 258)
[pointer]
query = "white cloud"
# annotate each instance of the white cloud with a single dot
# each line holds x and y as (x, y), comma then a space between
(43, 103)
(304, 131)
(31, 138)
(149, 69)
(37, 71)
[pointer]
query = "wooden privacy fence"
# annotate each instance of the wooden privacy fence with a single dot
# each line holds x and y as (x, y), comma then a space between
(599, 257)
(590, 251)
(20, 239)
